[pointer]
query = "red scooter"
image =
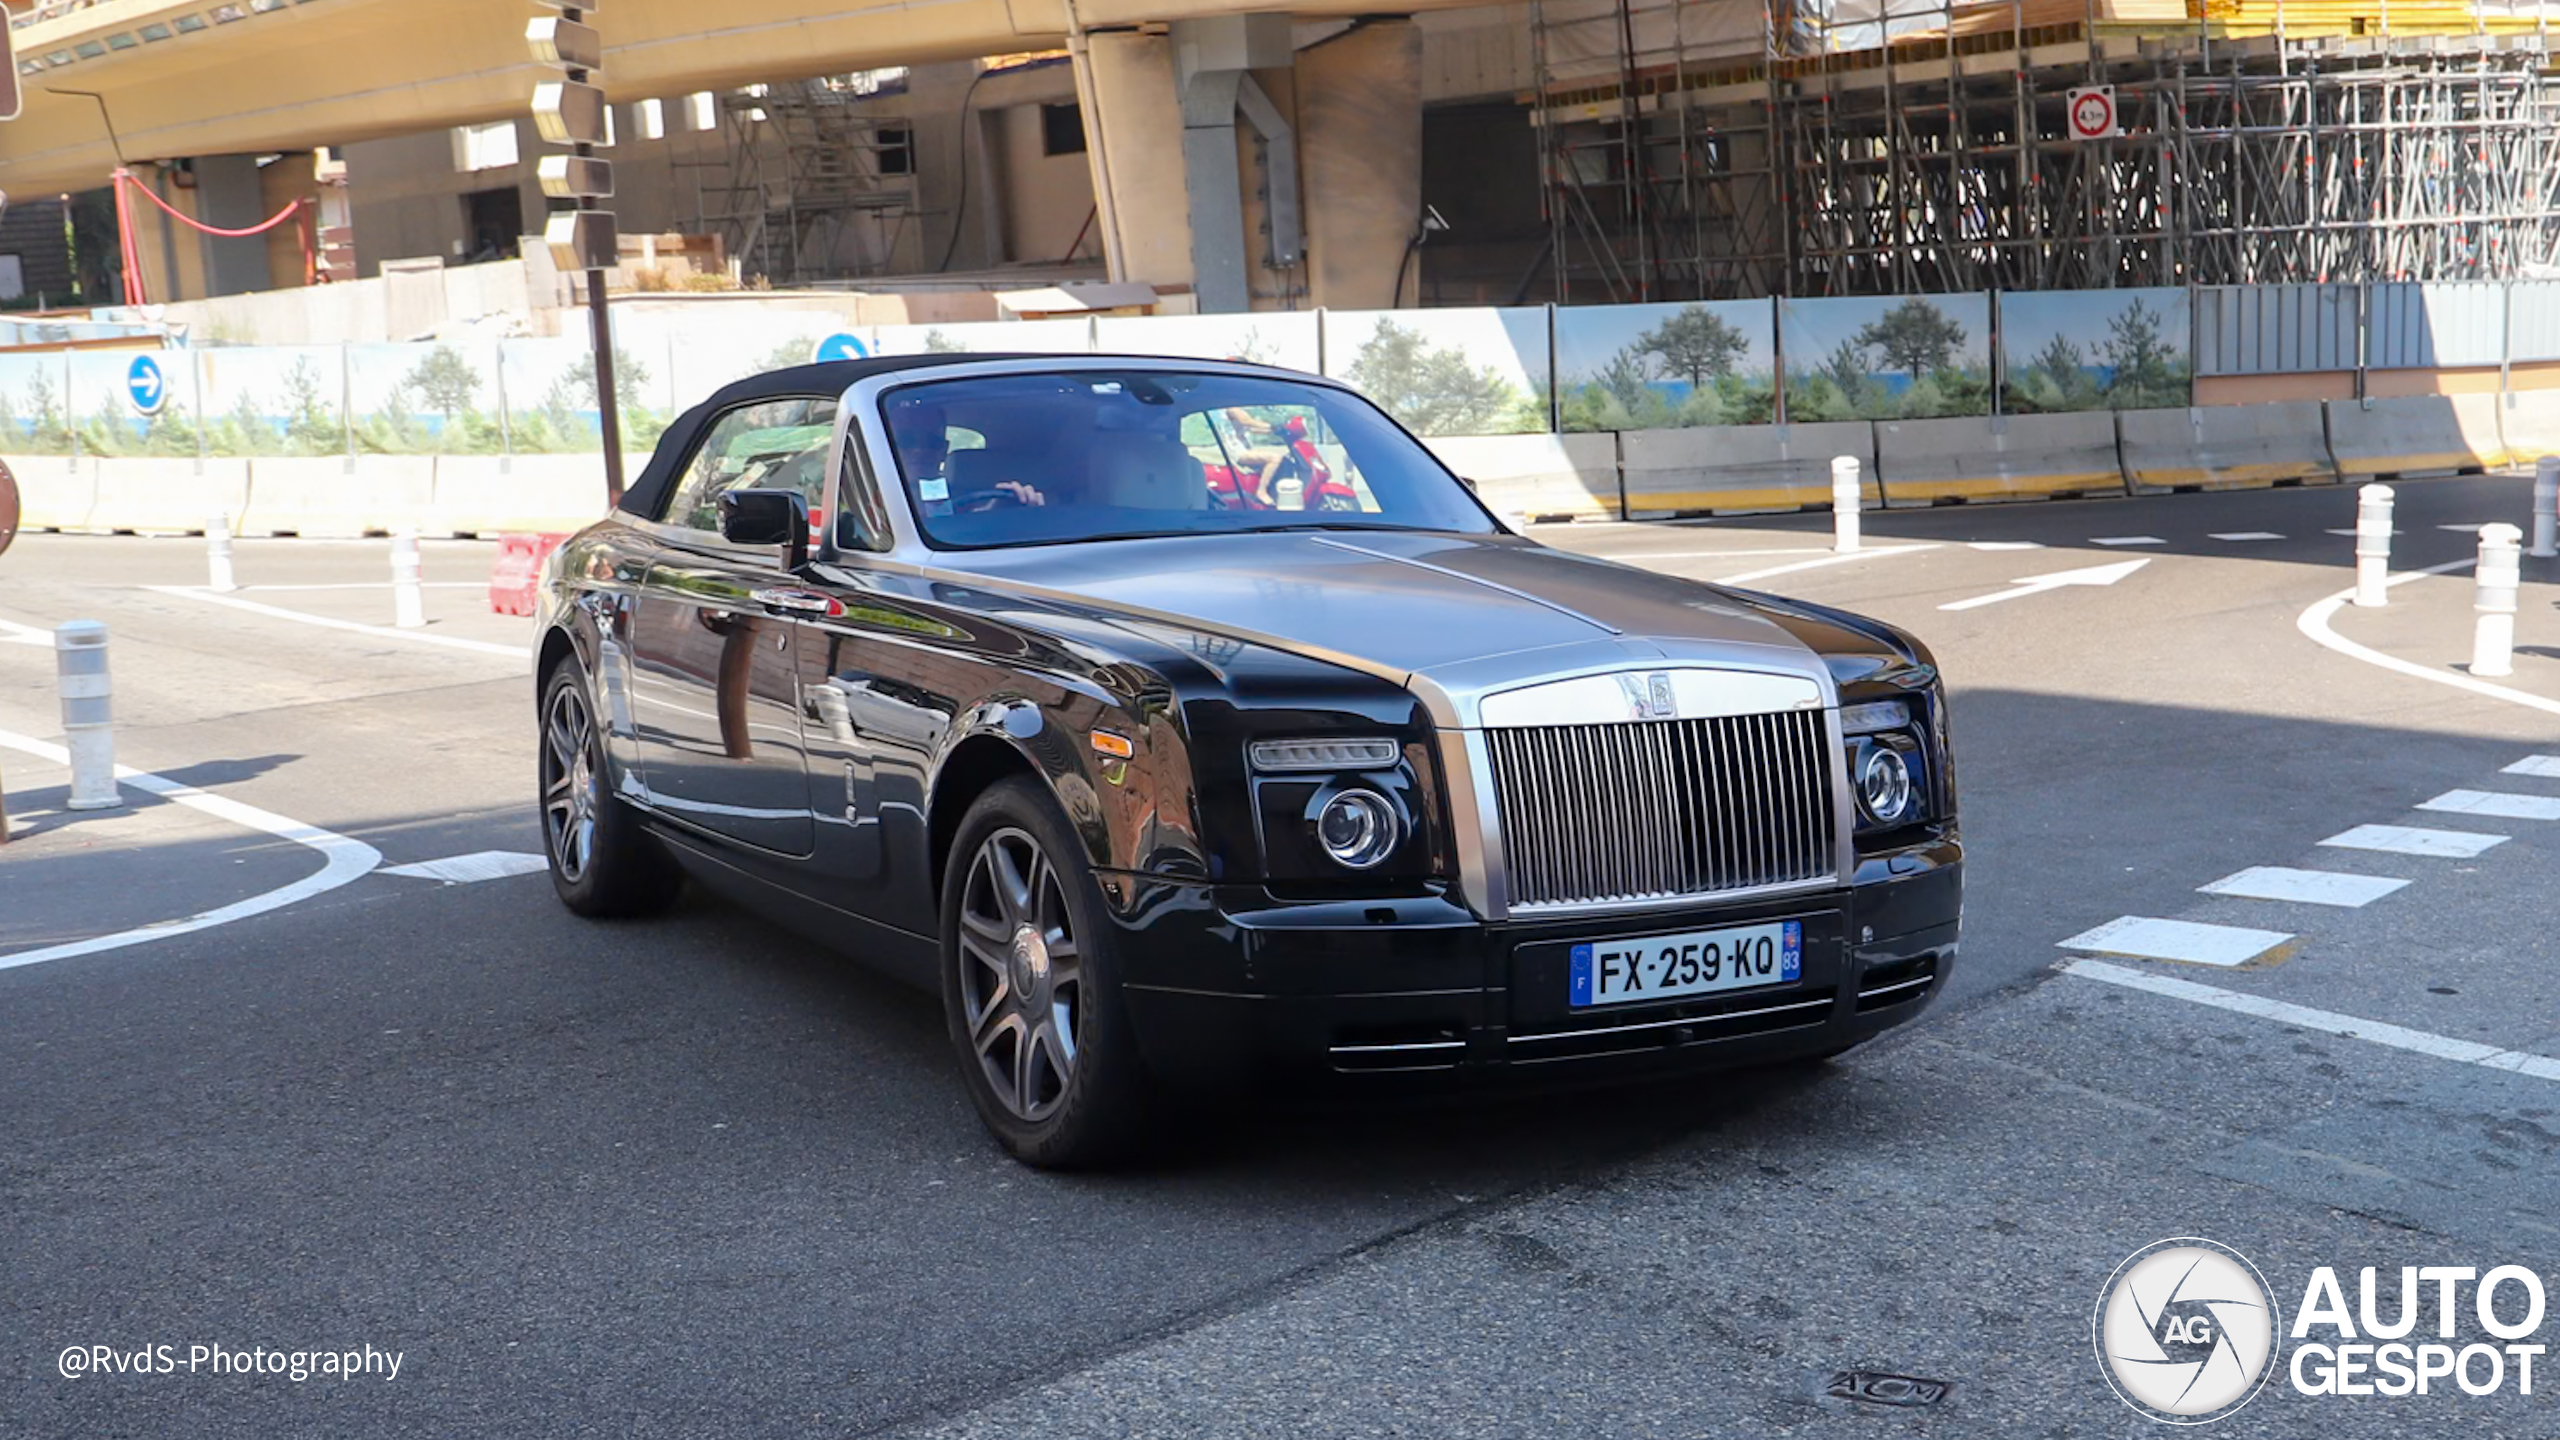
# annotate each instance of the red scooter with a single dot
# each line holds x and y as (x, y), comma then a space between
(1318, 489)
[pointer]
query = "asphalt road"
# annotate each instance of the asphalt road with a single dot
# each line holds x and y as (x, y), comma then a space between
(691, 1177)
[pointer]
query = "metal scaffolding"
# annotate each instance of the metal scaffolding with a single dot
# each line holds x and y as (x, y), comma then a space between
(806, 163)
(1943, 160)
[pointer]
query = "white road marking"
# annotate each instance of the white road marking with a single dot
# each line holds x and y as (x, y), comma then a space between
(2314, 623)
(2461, 529)
(2541, 767)
(348, 860)
(2505, 805)
(2415, 840)
(13, 633)
(384, 632)
(2182, 940)
(2350, 530)
(2004, 545)
(1635, 555)
(1825, 560)
(2038, 584)
(2238, 535)
(375, 585)
(478, 865)
(2308, 887)
(2127, 540)
(2327, 1022)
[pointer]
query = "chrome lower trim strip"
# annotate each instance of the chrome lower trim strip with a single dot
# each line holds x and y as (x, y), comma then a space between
(1398, 1049)
(1898, 985)
(1692, 1021)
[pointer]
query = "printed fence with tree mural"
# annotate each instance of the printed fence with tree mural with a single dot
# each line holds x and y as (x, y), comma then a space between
(1881, 359)
(2136, 356)
(1441, 386)
(1666, 366)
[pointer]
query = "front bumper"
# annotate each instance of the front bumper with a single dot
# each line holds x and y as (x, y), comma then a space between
(1229, 984)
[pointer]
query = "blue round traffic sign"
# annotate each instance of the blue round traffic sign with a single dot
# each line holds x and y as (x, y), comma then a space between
(146, 385)
(840, 347)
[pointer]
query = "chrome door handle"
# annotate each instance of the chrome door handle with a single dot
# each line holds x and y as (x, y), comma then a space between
(797, 602)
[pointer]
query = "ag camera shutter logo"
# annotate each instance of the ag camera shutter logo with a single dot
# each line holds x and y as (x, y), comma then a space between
(2186, 1331)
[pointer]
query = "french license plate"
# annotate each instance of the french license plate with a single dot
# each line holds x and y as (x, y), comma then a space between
(1664, 967)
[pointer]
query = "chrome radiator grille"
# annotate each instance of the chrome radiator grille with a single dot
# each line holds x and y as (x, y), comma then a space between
(1663, 808)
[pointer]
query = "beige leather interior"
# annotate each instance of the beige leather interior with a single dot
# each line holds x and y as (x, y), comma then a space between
(1148, 472)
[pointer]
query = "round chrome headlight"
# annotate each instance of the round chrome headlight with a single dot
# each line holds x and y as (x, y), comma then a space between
(1358, 828)
(1884, 785)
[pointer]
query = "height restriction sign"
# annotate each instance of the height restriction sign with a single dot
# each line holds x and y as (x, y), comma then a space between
(2093, 113)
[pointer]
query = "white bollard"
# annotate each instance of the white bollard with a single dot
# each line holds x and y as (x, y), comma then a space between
(409, 601)
(1845, 501)
(2546, 508)
(80, 664)
(2373, 544)
(217, 552)
(2493, 638)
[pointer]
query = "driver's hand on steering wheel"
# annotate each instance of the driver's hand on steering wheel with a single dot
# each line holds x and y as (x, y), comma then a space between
(1023, 494)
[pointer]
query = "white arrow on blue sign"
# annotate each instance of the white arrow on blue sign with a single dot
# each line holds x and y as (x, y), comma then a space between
(146, 385)
(839, 347)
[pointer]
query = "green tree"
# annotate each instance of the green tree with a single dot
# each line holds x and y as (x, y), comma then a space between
(49, 432)
(311, 425)
(1695, 344)
(1914, 337)
(445, 381)
(573, 397)
(1436, 391)
(1847, 372)
(2062, 362)
(2147, 371)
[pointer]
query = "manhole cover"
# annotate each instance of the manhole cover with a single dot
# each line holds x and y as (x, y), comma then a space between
(1906, 1392)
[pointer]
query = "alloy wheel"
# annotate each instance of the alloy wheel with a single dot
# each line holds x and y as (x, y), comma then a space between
(1021, 974)
(571, 790)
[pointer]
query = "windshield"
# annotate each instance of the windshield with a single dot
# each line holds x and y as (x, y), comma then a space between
(1097, 454)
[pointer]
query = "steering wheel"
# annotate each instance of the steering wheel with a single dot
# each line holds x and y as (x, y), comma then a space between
(979, 502)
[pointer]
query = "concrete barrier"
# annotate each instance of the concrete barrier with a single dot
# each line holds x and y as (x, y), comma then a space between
(2416, 435)
(55, 492)
(1531, 477)
(1726, 469)
(2225, 447)
(162, 495)
(2529, 424)
(484, 495)
(326, 498)
(2013, 457)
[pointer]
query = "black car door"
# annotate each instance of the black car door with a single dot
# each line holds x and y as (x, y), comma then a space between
(714, 679)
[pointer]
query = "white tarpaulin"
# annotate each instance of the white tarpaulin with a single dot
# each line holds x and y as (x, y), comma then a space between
(1584, 39)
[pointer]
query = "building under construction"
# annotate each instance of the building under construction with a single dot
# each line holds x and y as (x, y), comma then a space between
(1908, 149)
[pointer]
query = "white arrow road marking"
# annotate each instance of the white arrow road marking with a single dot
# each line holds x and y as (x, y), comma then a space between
(2038, 584)
(348, 859)
(13, 633)
(1826, 560)
(478, 865)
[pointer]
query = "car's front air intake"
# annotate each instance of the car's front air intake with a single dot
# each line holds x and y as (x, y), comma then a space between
(1660, 809)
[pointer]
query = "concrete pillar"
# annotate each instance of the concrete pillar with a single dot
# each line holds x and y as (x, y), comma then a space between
(1210, 59)
(1360, 155)
(1136, 119)
(231, 196)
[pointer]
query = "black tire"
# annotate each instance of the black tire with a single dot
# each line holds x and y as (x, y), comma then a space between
(1016, 1010)
(604, 864)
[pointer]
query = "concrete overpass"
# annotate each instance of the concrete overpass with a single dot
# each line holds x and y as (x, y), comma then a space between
(193, 78)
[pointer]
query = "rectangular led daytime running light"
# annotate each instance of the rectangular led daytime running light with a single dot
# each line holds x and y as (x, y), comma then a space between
(1305, 755)
(1876, 715)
